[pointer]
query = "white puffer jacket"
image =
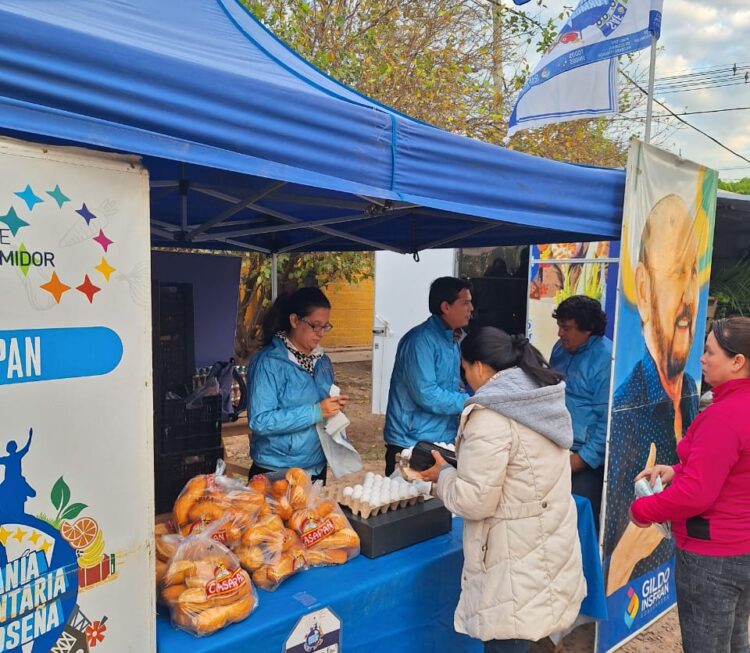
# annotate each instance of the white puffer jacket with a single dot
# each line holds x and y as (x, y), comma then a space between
(522, 575)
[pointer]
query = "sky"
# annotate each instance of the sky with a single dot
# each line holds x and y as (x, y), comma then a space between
(696, 36)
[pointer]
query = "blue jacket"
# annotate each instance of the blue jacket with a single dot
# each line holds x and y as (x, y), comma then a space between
(425, 396)
(587, 373)
(284, 407)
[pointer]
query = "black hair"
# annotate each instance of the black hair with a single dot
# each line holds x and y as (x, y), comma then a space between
(733, 335)
(586, 312)
(500, 351)
(445, 289)
(301, 302)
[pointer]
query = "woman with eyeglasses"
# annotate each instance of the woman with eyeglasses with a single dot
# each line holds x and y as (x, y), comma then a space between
(289, 382)
(707, 499)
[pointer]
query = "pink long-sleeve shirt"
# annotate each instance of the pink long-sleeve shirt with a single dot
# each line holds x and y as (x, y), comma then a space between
(708, 501)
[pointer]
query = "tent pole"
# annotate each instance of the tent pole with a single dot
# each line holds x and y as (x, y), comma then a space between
(650, 97)
(274, 276)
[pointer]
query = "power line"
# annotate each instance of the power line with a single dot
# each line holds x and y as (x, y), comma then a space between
(695, 113)
(666, 108)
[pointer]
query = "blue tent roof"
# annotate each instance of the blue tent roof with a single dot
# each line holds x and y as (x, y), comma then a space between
(246, 142)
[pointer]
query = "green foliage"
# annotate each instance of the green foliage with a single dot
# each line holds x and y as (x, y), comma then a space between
(732, 291)
(293, 271)
(741, 186)
(60, 497)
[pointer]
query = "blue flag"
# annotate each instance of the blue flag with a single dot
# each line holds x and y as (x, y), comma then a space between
(577, 75)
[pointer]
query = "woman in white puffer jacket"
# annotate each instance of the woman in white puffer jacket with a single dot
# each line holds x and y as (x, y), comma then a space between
(522, 576)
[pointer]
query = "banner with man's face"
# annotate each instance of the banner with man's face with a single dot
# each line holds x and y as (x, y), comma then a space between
(665, 264)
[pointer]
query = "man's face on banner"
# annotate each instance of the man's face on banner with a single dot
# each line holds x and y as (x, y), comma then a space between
(668, 285)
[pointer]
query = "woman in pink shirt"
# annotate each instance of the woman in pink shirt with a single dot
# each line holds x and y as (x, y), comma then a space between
(708, 501)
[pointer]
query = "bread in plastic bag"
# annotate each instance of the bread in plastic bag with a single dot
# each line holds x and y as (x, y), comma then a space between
(324, 532)
(204, 585)
(210, 497)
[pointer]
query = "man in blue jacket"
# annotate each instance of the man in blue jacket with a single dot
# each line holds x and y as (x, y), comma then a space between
(426, 393)
(584, 354)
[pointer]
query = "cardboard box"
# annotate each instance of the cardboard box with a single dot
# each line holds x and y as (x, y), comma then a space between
(397, 529)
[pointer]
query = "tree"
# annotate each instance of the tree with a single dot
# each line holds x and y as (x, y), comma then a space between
(741, 186)
(456, 64)
(294, 271)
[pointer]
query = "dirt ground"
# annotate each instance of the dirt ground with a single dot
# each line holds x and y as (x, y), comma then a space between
(366, 432)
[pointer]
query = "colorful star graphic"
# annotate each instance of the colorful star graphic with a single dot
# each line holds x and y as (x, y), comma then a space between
(58, 196)
(46, 547)
(28, 196)
(4, 535)
(13, 221)
(34, 537)
(105, 268)
(55, 287)
(86, 214)
(19, 535)
(103, 240)
(88, 289)
(25, 267)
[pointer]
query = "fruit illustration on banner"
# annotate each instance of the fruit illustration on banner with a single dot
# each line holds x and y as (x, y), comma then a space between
(84, 535)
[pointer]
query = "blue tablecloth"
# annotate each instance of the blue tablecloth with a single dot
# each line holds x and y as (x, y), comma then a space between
(595, 603)
(403, 601)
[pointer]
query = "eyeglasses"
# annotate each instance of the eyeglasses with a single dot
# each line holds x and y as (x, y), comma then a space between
(318, 328)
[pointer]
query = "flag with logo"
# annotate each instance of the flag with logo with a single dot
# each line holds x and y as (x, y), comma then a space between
(577, 75)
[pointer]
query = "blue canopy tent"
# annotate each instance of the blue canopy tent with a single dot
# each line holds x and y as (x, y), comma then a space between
(250, 147)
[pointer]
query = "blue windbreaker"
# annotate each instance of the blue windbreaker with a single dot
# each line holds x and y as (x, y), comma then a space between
(587, 373)
(284, 407)
(425, 396)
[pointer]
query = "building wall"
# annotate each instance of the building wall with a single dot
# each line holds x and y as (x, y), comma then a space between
(352, 312)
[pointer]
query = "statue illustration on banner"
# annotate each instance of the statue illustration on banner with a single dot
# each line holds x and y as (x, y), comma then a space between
(665, 266)
(45, 564)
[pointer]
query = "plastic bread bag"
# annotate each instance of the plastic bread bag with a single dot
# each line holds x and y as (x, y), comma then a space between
(325, 533)
(211, 497)
(270, 550)
(204, 585)
(165, 546)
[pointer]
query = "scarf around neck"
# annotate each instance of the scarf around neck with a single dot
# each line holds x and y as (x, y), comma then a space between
(306, 361)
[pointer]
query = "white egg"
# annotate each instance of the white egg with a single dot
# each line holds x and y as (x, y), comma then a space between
(348, 491)
(369, 477)
(357, 494)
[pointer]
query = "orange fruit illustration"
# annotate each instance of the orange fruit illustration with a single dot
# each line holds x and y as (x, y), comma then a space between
(80, 533)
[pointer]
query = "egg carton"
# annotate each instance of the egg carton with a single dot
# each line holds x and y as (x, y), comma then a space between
(366, 510)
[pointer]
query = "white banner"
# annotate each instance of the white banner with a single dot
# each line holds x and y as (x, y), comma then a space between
(577, 75)
(76, 452)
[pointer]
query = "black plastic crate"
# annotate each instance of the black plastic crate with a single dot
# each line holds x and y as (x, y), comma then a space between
(188, 429)
(173, 471)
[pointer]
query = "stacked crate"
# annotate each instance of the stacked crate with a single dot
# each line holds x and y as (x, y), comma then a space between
(187, 439)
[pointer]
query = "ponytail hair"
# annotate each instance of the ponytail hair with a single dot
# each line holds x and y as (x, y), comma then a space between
(301, 303)
(500, 351)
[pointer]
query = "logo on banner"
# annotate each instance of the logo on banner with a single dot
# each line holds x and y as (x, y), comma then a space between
(17, 228)
(45, 563)
(631, 611)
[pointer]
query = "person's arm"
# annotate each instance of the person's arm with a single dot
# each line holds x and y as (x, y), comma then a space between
(266, 411)
(714, 451)
(592, 452)
(473, 491)
(420, 376)
(27, 446)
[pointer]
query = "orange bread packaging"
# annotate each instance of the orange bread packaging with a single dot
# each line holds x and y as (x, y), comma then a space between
(210, 497)
(317, 532)
(203, 583)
